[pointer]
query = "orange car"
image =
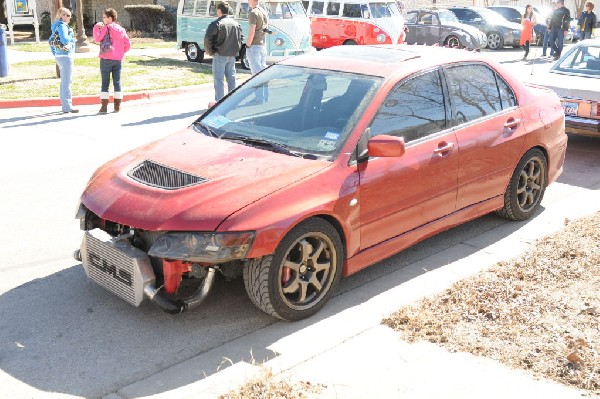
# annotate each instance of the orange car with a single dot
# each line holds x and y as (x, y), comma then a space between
(318, 167)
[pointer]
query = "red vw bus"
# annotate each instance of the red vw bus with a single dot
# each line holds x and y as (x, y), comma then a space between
(354, 22)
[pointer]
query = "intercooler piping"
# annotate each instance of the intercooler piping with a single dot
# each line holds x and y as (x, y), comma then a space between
(179, 306)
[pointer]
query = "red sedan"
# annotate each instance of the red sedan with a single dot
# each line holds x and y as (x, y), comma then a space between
(318, 167)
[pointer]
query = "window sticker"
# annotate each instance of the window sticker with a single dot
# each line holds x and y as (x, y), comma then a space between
(332, 136)
(215, 121)
(326, 145)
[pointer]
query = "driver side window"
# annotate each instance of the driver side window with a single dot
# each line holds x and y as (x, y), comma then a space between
(413, 110)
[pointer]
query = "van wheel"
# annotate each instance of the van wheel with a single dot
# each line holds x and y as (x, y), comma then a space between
(243, 58)
(297, 280)
(193, 52)
(350, 43)
(526, 187)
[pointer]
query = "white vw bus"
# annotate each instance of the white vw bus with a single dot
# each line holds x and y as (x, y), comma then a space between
(287, 20)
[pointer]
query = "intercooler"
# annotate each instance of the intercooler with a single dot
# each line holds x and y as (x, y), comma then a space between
(116, 265)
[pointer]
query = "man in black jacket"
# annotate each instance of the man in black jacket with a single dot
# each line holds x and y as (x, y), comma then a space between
(559, 25)
(223, 41)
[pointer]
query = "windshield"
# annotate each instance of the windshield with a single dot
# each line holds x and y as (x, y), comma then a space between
(284, 10)
(492, 16)
(582, 61)
(382, 10)
(308, 111)
(447, 16)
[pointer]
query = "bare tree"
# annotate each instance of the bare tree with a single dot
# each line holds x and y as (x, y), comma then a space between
(579, 4)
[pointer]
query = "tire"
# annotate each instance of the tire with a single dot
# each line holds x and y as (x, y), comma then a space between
(453, 41)
(526, 187)
(495, 41)
(243, 58)
(287, 285)
(193, 52)
(350, 43)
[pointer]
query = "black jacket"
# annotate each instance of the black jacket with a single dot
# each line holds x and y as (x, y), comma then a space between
(561, 17)
(590, 21)
(223, 37)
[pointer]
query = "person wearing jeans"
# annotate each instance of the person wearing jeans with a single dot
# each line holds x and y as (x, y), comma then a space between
(223, 41)
(256, 45)
(111, 57)
(64, 57)
(587, 22)
(559, 24)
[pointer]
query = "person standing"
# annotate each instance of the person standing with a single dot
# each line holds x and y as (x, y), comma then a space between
(528, 21)
(64, 57)
(587, 22)
(559, 24)
(548, 31)
(111, 58)
(223, 41)
(256, 44)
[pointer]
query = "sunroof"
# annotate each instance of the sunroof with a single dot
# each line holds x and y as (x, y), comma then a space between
(384, 55)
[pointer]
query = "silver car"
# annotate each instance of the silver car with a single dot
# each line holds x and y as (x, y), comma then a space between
(499, 31)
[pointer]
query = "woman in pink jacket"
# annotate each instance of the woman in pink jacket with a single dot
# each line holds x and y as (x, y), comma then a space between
(111, 56)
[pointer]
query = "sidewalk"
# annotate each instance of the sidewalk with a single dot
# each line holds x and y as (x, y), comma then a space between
(15, 56)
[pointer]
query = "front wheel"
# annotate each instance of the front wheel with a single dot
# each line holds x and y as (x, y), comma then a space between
(193, 52)
(297, 280)
(526, 186)
(495, 41)
(452, 41)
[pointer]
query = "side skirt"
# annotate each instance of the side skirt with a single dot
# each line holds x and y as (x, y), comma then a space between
(394, 245)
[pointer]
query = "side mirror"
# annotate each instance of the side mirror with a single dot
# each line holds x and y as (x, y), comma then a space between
(386, 146)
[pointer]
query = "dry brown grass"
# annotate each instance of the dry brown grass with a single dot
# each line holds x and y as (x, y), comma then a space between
(539, 312)
(268, 386)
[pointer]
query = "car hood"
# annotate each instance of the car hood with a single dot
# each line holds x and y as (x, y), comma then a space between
(230, 175)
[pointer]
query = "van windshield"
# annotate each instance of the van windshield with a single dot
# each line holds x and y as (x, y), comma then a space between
(382, 10)
(284, 9)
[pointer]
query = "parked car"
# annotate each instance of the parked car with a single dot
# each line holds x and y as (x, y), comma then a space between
(515, 13)
(441, 27)
(499, 31)
(576, 77)
(358, 153)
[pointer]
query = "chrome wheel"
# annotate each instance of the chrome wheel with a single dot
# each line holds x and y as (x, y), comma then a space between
(453, 41)
(193, 52)
(529, 187)
(494, 41)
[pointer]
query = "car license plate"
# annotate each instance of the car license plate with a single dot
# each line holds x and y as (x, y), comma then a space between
(570, 108)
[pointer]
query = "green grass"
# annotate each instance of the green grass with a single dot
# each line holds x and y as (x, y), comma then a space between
(139, 73)
(40, 47)
(137, 43)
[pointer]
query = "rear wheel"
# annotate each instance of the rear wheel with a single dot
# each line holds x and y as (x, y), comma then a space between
(452, 41)
(495, 41)
(526, 186)
(193, 52)
(297, 280)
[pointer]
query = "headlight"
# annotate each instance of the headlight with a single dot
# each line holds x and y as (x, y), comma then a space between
(202, 246)
(279, 42)
(381, 38)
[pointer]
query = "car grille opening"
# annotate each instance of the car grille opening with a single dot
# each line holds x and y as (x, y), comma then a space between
(161, 176)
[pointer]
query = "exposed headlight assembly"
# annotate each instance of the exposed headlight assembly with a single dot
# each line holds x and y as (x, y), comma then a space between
(203, 246)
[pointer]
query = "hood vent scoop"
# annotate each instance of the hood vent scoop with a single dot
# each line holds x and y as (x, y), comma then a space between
(157, 175)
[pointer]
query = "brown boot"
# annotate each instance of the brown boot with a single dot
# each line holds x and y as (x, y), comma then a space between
(117, 104)
(104, 107)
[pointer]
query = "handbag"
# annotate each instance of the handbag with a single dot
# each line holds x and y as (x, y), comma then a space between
(57, 44)
(106, 42)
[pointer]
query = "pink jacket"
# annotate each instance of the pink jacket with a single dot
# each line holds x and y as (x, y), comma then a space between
(120, 40)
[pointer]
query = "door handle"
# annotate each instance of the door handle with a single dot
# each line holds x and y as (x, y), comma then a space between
(512, 123)
(443, 149)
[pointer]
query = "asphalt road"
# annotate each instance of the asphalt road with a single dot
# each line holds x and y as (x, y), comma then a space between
(62, 336)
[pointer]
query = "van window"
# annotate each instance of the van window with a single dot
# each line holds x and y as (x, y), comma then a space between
(244, 11)
(333, 9)
(212, 11)
(352, 11)
(279, 11)
(316, 8)
(296, 8)
(380, 10)
(188, 7)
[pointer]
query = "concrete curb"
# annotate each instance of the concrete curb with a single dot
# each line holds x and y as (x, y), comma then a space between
(95, 99)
